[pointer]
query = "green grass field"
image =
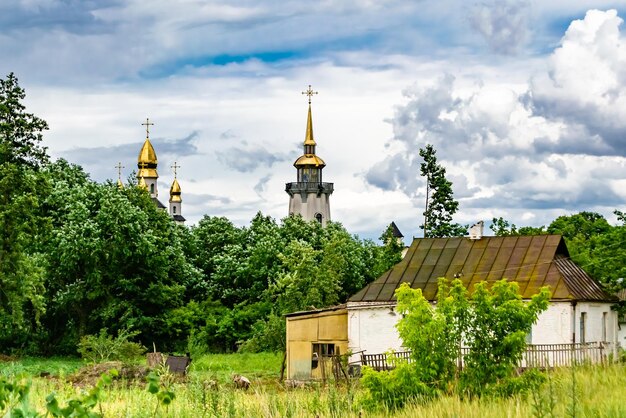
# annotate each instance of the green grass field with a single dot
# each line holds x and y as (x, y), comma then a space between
(599, 392)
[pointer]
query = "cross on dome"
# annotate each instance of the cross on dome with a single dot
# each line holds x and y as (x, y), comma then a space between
(309, 92)
(147, 124)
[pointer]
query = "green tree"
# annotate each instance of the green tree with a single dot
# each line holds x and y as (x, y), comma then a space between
(22, 226)
(115, 261)
(502, 228)
(492, 323)
(440, 203)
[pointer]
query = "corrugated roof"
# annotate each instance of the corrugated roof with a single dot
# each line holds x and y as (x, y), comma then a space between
(532, 261)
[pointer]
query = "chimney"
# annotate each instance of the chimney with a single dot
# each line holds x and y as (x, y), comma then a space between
(476, 230)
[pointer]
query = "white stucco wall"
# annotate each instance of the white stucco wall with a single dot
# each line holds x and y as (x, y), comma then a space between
(309, 204)
(371, 327)
(621, 334)
(595, 320)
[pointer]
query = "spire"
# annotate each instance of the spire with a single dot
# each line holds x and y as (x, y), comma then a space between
(308, 139)
(175, 191)
(119, 167)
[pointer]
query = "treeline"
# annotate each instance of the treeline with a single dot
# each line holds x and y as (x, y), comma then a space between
(78, 256)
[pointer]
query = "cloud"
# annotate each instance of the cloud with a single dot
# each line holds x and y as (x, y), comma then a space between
(541, 146)
(99, 161)
(261, 186)
(503, 24)
(586, 87)
(248, 159)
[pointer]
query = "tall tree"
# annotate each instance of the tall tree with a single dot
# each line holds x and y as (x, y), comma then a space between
(21, 223)
(440, 203)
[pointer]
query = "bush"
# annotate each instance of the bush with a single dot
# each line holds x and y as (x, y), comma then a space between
(104, 347)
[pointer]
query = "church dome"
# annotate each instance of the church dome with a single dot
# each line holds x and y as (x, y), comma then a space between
(175, 192)
(147, 161)
(309, 160)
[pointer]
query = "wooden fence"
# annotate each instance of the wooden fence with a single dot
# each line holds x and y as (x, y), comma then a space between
(542, 356)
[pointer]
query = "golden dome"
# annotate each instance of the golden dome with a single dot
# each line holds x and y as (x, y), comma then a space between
(175, 192)
(147, 161)
(308, 160)
(147, 154)
(120, 184)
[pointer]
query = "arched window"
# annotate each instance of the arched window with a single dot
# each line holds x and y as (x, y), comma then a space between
(318, 217)
(174, 209)
(152, 188)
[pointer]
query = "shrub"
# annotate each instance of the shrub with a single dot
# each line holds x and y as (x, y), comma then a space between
(104, 347)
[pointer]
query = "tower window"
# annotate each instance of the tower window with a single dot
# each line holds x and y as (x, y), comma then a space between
(152, 188)
(318, 217)
(174, 209)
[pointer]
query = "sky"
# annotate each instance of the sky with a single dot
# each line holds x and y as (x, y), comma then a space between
(524, 101)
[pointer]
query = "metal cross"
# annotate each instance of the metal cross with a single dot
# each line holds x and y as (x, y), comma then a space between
(175, 166)
(147, 125)
(309, 92)
(119, 167)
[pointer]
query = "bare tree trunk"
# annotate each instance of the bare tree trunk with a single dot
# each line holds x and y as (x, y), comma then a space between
(426, 209)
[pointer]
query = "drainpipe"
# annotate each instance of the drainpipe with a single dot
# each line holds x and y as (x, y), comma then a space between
(574, 321)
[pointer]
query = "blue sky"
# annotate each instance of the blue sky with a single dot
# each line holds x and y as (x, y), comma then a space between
(525, 101)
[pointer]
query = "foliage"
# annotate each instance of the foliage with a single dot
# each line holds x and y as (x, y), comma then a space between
(394, 389)
(104, 347)
(502, 228)
(492, 323)
(82, 406)
(440, 203)
(21, 226)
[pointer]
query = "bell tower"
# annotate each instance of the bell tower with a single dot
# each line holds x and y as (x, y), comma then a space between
(309, 196)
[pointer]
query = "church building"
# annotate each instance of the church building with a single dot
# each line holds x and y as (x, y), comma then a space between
(309, 195)
(147, 177)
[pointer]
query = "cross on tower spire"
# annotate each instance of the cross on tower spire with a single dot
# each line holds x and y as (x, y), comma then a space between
(119, 167)
(175, 167)
(309, 92)
(147, 124)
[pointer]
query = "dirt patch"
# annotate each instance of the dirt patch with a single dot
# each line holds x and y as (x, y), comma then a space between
(7, 359)
(89, 375)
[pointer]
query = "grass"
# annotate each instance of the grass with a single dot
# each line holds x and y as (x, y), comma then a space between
(600, 392)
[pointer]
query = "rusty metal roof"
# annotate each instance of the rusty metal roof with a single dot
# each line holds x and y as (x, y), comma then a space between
(531, 261)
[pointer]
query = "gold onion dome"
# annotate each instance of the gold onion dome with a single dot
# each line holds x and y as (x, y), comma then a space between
(120, 184)
(175, 192)
(309, 158)
(147, 160)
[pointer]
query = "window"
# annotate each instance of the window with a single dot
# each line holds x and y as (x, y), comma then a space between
(318, 217)
(174, 209)
(583, 326)
(321, 350)
(604, 323)
(152, 188)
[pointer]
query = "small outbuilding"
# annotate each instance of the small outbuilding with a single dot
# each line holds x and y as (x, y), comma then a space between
(312, 337)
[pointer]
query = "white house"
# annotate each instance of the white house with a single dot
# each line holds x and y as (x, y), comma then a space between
(580, 311)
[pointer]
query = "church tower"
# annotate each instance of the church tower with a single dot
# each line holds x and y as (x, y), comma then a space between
(147, 164)
(175, 199)
(309, 196)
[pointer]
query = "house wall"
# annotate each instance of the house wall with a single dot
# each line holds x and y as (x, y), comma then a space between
(329, 327)
(372, 328)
